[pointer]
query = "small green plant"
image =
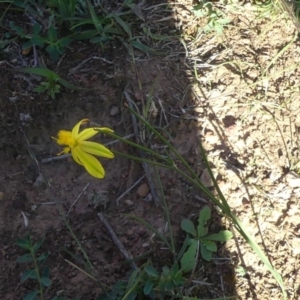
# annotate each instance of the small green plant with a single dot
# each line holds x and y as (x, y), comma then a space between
(199, 238)
(100, 28)
(164, 283)
(67, 10)
(83, 21)
(216, 19)
(55, 46)
(36, 270)
(53, 81)
(147, 281)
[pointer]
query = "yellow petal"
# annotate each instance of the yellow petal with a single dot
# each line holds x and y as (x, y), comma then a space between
(75, 130)
(86, 134)
(91, 164)
(90, 132)
(75, 156)
(103, 129)
(95, 149)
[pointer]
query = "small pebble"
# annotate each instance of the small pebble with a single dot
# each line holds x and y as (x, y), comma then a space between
(205, 178)
(143, 190)
(128, 202)
(114, 110)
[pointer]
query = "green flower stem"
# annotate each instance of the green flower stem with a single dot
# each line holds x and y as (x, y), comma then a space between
(221, 202)
(165, 206)
(155, 163)
(36, 267)
(147, 150)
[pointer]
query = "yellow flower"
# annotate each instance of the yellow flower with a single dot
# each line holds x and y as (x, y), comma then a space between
(82, 150)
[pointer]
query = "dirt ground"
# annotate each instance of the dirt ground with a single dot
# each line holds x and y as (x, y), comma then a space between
(244, 107)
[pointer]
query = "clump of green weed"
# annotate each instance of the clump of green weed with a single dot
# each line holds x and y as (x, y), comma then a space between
(150, 282)
(57, 23)
(35, 263)
(52, 81)
(216, 19)
(198, 238)
(55, 46)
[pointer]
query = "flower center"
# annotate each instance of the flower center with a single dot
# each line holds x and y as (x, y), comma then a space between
(65, 138)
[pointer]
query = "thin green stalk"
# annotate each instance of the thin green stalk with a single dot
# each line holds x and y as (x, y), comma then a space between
(81, 270)
(147, 150)
(165, 206)
(223, 205)
(134, 283)
(243, 231)
(37, 270)
(142, 160)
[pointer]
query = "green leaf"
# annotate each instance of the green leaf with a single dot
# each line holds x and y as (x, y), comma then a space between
(188, 226)
(132, 296)
(96, 21)
(44, 72)
(24, 243)
(36, 29)
(25, 258)
(111, 28)
(209, 245)
(38, 41)
(184, 247)
(240, 271)
(151, 271)
(165, 271)
(17, 29)
(88, 34)
(64, 42)
(123, 24)
(178, 279)
(188, 260)
(204, 216)
(40, 89)
(29, 274)
(70, 86)
(37, 245)
(98, 39)
(42, 257)
(27, 44)
(175, 268)
(53, 51)
(206, 254)
(132, 280)
(222, 236)
(46, 281)
(31, 296)
(52, 94)
(148, 287)
(140, 46)
(46, 272)
(52, 34)
(169, 286)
